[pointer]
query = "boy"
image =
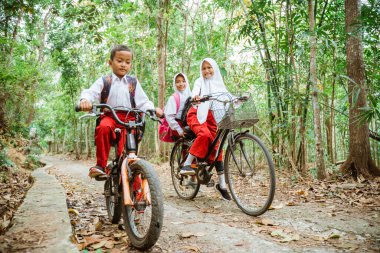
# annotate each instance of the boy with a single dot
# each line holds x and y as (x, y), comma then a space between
(121, 92)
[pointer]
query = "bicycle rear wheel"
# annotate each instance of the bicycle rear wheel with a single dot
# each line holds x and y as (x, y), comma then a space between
(143, 220)
(250, 174)
(187, 187)
(113, 198)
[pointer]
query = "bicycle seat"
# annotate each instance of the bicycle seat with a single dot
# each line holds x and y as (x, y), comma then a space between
(189, 134)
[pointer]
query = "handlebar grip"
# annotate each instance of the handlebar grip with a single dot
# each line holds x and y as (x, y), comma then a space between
(204, 99)
(77, 108)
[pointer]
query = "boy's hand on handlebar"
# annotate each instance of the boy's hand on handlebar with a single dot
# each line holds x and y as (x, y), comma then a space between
(85, 105)
(159, 112)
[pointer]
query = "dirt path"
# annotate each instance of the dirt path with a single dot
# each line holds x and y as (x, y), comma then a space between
(209, 224)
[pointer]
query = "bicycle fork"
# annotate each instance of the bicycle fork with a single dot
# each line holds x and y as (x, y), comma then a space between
(126, 189)
(231, 142)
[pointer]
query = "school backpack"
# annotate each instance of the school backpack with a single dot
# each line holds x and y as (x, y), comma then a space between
(107, 81)
(165, 133)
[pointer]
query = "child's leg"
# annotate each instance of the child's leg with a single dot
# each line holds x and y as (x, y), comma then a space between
(213, 128)
(204, 137)
(103, 135)
(219, 166)
(125, 118)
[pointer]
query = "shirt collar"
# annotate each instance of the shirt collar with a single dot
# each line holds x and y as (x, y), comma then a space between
(115, 77)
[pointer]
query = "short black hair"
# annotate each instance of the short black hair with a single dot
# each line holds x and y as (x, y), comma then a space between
(119, 48)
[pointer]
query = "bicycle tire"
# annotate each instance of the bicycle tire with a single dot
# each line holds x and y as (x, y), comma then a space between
(113, 199)
(252, 187)
(185, 186)
(149, 238)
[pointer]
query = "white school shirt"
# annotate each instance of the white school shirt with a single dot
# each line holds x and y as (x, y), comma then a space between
(171, 113)
(119, 94)
(171, 118)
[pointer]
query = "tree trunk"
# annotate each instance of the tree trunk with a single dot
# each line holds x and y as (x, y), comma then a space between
(229, 27)
(161, 55)
(42, 36)
(359, 161)
(87, 140)
(80, 138)
(321, 171)
(64, 142)
(14, 35)
(184, 43)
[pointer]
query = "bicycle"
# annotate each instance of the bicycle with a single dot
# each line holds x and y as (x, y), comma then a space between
(131, 185)
(248, 165)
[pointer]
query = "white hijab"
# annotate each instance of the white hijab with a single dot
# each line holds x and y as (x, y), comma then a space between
(171, 107)
(208, 86)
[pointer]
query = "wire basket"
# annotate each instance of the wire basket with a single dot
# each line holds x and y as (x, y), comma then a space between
(234, 113)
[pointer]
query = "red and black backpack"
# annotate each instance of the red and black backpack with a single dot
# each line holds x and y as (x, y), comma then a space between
(107, 82)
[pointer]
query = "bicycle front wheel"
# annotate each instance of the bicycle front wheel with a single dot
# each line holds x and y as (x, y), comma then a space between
(250, 174)
(187, 187)
(143, 220)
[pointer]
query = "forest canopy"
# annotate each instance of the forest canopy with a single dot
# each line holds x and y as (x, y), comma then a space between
(51, 50)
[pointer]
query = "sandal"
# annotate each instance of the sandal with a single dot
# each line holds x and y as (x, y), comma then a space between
(96, 171)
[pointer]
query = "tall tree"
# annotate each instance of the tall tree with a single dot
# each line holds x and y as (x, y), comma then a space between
(321, 171)
(162, 26)
(359, 161)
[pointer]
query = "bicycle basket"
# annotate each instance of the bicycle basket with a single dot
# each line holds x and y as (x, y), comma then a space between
(235, 113)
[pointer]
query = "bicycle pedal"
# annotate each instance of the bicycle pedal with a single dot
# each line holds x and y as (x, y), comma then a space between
(101, 178)
(211, 183)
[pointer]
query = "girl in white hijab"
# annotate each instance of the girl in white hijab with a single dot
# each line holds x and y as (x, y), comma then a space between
(202, 122)
(172, 113)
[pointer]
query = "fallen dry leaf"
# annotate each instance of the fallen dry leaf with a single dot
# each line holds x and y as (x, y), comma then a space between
(279, 206)
(109, 244)
(334, 236)
(186, 235)
(99, 245)
(192, 248)
(266, 222)
(73, 211)
(91, 240)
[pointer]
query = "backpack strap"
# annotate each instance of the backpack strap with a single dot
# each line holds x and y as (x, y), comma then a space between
(177, 101)
(132, 89)
(107, 81)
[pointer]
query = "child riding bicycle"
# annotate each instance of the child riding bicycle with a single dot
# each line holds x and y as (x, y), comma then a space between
(201, 121)
(176, 103)
(116, 90)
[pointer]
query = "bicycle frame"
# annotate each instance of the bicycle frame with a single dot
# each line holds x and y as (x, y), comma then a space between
(129, 154)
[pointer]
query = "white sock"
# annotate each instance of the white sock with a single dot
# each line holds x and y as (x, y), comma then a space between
(222, 182)
(189, 160)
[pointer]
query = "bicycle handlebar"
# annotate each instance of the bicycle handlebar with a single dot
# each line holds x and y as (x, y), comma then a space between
(124, 109)
(212, 98)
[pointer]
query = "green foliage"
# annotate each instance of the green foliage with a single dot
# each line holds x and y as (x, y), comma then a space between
(4, 160)
(75, 37)
(32, 162)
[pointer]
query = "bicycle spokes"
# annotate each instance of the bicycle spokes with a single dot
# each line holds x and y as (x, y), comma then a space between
(146, 191)
(250, 174)
(246, 158)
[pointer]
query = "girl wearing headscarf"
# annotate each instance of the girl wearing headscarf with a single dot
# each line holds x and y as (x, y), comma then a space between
(202, 122)
(182, 88)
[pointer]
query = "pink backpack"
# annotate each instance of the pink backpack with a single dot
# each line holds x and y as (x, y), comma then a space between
(165, 133)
